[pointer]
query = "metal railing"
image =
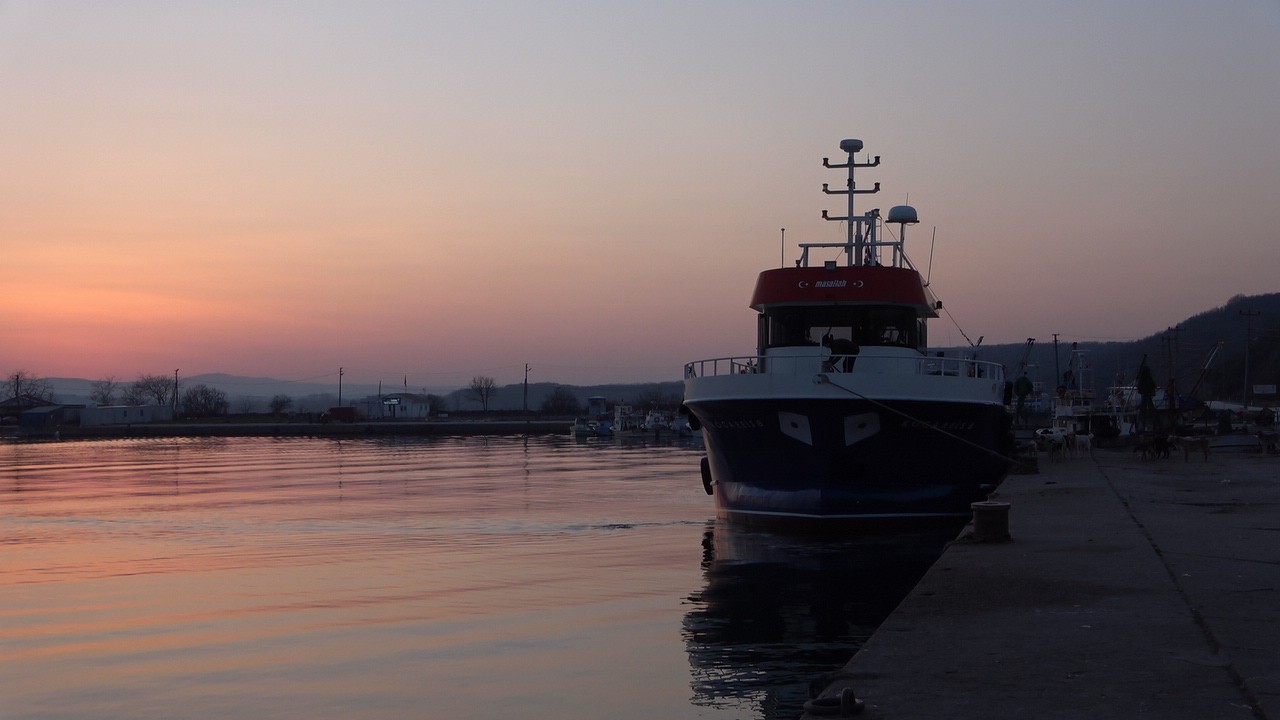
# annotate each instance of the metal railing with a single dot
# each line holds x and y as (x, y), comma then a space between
(844, 364)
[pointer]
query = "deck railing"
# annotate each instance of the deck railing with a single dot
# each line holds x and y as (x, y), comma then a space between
(844, 364)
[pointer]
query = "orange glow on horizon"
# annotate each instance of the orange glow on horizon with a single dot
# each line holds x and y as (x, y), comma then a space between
(191, 187)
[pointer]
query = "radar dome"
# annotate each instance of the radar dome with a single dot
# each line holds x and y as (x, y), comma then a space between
(851, 146)
(904, 214)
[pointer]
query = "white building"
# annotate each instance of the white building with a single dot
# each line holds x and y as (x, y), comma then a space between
(396, 406)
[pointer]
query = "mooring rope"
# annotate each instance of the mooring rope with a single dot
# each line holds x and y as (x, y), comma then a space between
(827, 379)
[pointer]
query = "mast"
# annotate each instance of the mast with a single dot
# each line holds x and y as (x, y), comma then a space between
(856, 242)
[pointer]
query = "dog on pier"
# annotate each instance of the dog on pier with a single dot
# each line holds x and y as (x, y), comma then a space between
(1057, 447)
(1082, 444)
(1190, 444)
(1152, 447)
(1269, 440)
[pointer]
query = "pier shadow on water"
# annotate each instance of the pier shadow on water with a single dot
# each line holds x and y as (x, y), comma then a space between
(778, 611)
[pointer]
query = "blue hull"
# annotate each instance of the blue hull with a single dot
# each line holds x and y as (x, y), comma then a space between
(851, 459)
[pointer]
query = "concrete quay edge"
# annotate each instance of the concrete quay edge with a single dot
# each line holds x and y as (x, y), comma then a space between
(1128, 589)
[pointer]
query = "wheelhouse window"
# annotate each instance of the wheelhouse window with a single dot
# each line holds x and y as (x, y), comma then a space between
(842, 326)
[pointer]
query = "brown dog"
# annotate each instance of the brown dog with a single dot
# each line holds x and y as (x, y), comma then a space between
(1188, 444)
(1268, 439)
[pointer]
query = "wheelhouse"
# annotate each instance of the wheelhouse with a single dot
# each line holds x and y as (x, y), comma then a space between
(843, 328)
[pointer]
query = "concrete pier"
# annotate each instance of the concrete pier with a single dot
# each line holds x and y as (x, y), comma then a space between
(1127, 589)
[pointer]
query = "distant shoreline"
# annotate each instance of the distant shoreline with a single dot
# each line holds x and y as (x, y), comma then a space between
(306, 429)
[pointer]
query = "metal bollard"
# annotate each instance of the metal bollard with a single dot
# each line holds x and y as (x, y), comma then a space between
(990, 521)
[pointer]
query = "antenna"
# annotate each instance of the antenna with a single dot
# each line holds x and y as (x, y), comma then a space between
(934, 241)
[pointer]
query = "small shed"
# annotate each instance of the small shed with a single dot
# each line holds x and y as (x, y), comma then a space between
(49, 417)
(125, 415)
(399, 406)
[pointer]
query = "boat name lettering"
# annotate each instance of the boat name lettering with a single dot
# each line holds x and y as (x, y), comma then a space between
(948, 425)
(831, 283)
(736, 424)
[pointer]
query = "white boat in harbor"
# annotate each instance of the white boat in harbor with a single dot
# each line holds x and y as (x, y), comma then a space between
(584, 428)
(843, 413)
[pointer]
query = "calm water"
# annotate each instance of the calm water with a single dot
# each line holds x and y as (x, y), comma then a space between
(425, 578)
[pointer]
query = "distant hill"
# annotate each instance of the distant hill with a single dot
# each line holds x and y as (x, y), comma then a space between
(1182, 354)
(511, 397)
(252, 394)
(244, 393)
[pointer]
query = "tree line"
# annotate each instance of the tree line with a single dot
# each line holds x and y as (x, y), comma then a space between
(200, 400)
(563, 401)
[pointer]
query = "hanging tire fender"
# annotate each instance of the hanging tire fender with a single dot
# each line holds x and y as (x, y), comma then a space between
(707, 482)
(694, 423)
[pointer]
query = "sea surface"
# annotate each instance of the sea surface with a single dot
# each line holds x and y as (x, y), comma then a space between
(499, 577)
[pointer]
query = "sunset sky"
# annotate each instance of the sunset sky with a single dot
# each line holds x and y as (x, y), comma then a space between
(439, 190)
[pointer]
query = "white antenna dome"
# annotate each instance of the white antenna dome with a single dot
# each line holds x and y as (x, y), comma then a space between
(904, 214)
(851, 146)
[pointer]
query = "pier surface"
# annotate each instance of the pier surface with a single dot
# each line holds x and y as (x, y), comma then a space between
(1129, 589)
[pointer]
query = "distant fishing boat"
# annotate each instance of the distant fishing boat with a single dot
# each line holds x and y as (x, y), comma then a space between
(584, 428)
(842, 413)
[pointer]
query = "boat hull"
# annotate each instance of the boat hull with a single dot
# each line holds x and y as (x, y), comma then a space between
(779, 460)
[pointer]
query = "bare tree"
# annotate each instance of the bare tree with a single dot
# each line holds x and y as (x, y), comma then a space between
(436, 405)
(280, 403)
(204, 401)
(561, 401)
(132, 394)
(157, 388)
(104, 390)
(655, 399)
(482, 388)
(27, 387)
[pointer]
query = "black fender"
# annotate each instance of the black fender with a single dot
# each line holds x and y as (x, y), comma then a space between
(694, 423)
(707, 482)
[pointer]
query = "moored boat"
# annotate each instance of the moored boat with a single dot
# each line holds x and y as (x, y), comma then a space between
(584, 428)
(842, 413)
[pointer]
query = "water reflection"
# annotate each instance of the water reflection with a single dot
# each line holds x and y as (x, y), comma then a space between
(372, 578)
(779, 610)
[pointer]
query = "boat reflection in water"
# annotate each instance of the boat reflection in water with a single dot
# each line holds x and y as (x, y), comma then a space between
(779, 610)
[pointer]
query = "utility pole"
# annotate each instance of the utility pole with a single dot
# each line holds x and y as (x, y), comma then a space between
(1171, 391)
(339, 387)
(1057, 371)
(1249, 315)
(175, 391)
(1171, 348)
(526, 388)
